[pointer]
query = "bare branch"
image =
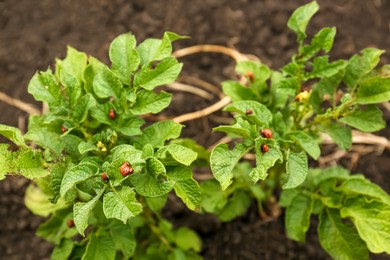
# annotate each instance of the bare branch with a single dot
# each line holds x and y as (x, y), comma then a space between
(203, 112)
(28, 108)
(190, 89)
(236, 55)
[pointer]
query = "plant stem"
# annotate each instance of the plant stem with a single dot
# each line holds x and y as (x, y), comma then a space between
(335, 114)
(149, 220)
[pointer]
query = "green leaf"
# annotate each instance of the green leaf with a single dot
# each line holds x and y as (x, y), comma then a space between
(147, 50)
(260, 116)
(189, 192)
(323, 87)
(259, 194)
(148, 151)
(279, 97)
(29, 163)
(297, 219)
(175, 254)
(373, 90)
(126, 152)
(155, 167)
(71, 143)
(128, 125)
(179, 173)
(300, 19)
(240, 128)
(296, 168)
(287, 196)
(124, 57)
(63, 250)
(74, 63)
(179, 153)
(286, 87)
(165, 48)
(361, 65)
(55, 228)
(81, 109)
(76, 175)
(260, 71)
(237, 92)
(150, 102)
(340, 134)
(323, 69)
(323, 40)
(106, 84)
(367, 120)
(38, 202)
(156, 49)
(72, 86)
(85, 147)
(121, 154)
(124, 239)
(56, 175)
(45, 138)
(223, 160)
(188, 239)
(164, 73)
(82, 212)
(203, 153)
(156, 204)
(236, 206)
(13, 134)
(26, 162)
(94, 67)
(340, 240)
(332, 197)
(6, 161)
(147, 186)
(159, 132)
(306, 142)
(316, 176)
(213, 198)
(264, 161)
(365, 187)
(44, 87)
(121, 204)
(100, 246)
(372, 220)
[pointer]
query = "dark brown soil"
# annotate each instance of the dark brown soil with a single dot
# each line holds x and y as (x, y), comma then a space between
(33, 33)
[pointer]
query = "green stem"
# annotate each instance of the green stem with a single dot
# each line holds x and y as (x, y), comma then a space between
(157, 232)
(303, 114)
(149, 220)
(336, 114)
(85, 133)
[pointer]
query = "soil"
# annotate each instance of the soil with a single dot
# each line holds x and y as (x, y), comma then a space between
(33, 33)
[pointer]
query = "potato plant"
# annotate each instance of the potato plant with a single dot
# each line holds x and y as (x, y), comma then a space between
(278, 117)
(102, 175)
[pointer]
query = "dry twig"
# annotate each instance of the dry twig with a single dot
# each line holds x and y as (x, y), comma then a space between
(28, 108)
(190, 89)
(362, 138)
(236, 55)
(203, 112)
(204, 84)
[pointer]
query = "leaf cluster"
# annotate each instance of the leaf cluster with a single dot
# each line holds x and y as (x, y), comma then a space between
(308, 96)
(278, 119)
(92, 127)
(352, 212)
